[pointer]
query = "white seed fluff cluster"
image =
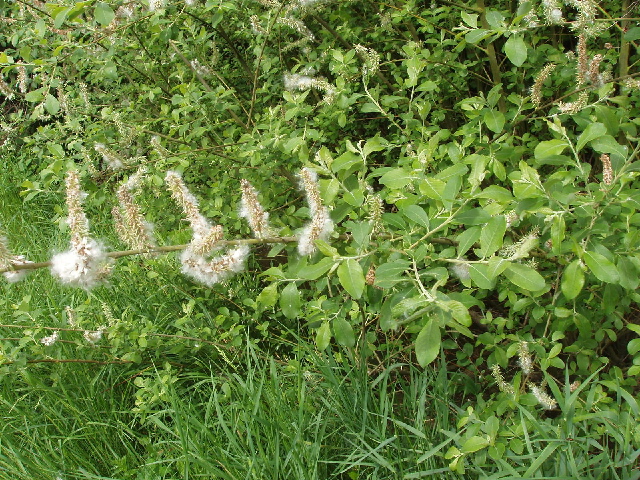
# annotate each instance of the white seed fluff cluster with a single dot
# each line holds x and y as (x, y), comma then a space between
(215, 270)
(84, 265)
(321, 224)
(195, 258)
(50, 340)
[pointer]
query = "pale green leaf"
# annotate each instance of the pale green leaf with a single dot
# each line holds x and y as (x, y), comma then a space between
(315, 271)
(344, 332)
(103, 14)
(478, 274)
(467, 239)
(474, 36)
(351, 277)
(492, 236)
(593, 131)
(516, 50)
(474, 444)
(51, 104)
(549, 148)
(416, 214)
(524, 277)
(323, 336)
(603, 269)
(346, 161)
(432, 188)
(428, 343)
(390, 273)
(397, 178)
(572, 280)
(494, 120)
(290, 301)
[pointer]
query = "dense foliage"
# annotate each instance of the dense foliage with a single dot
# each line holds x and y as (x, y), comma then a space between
(479, 168)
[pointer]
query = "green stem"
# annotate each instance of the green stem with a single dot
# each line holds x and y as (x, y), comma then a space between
(623, 55)
(491, 53)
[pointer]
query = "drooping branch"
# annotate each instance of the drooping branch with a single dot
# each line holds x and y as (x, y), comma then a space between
(221, 243)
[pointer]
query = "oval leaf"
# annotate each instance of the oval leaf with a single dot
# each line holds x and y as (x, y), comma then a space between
(290, 301)
(104, 14)
(572, 280)
(492, 236)
(516, 50)
(312, 272)
(494, 120)
(417, 215)
(478, 274)
(351, 277)
(344, 332)
(524, 277)
(549, 148)
(428, 343)
(601, 267)
(323, 336)
(474, 444)
(593, 131)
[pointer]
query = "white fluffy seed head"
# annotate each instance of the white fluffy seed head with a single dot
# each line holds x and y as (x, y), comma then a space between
(85, 265)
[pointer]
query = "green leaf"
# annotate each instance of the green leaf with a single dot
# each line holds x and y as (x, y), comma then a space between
(496, 266)
(557, 233)
(323, 336)
(608, 144)
(572, 280)
(428, 343)
(51, 104)
(603, 269)
(344, 332)
(313, 272)
(104, 14)
(390, 273)
(593, 131)
(516, 50)
(632, 34)
(373, 145)
(633, 346)
(474, 444)
(351, 277)
(549, 148)
(60, 17)
(417, 215)
(346, 161)
(290, 301)
(397, 178)
(492, 236)
(475, 36)
(467, 239)
(268, 296)
(494, 120)
(34, 95)
(457, 170)
(524, 277)
(628, 273)
(432, 188)
(478, 274)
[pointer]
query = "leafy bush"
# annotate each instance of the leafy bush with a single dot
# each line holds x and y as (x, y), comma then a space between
(468, 198)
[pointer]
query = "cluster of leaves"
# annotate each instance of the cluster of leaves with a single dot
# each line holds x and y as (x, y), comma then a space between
(472, 214)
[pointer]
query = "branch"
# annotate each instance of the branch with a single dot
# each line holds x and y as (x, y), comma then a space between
(221, 243)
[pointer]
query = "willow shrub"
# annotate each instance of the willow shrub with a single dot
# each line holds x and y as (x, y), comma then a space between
(478, 165)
